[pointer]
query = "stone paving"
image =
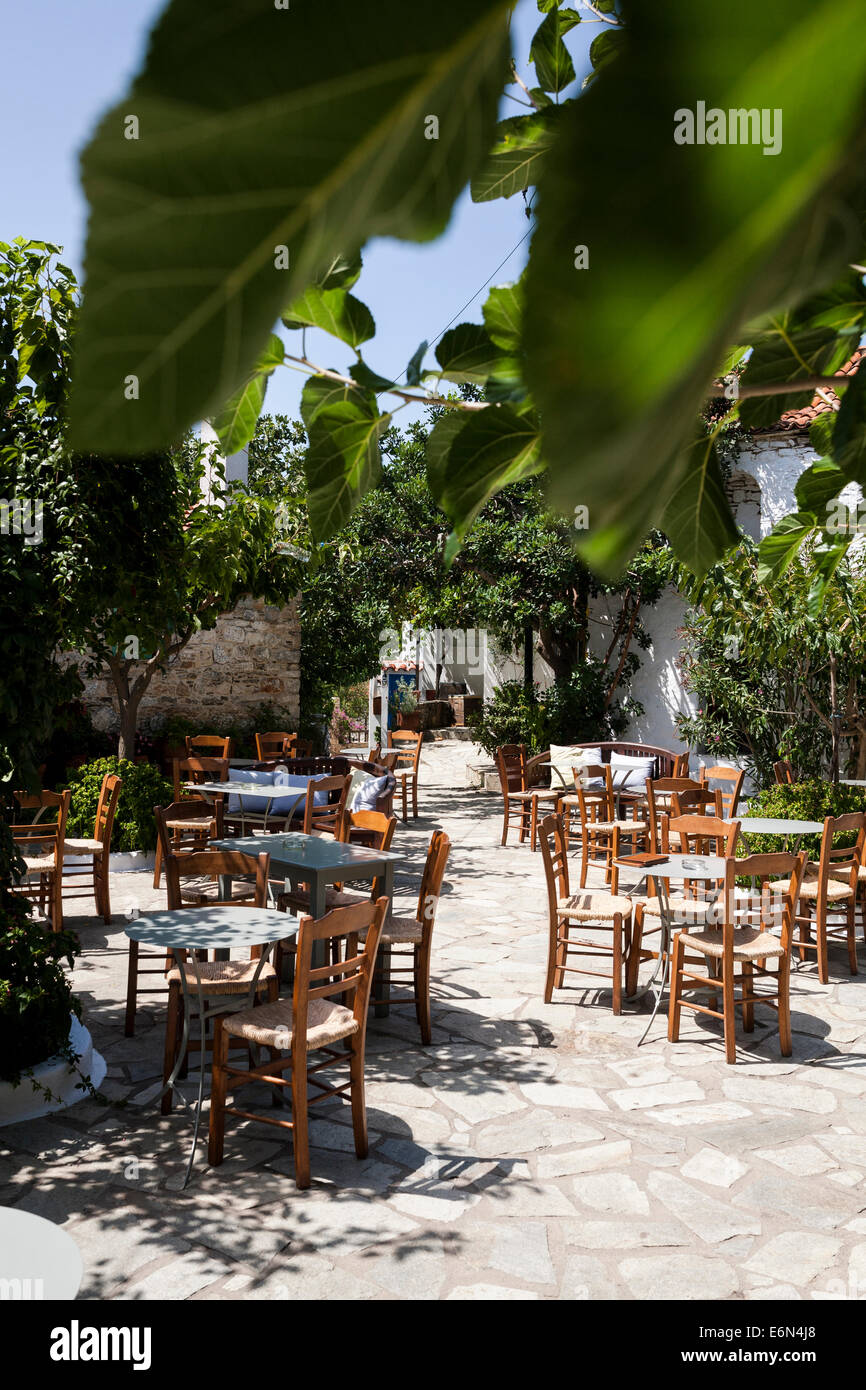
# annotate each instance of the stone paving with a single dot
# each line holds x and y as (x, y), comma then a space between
(532, 1152)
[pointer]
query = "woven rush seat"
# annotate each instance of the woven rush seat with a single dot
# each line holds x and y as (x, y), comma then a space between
(40, 865)
(540, 793)
(334, 897)
(82, 846)
(836, 891)
(204, 890)
(842, 872)
(271, 1025)
(199, 823)
(639, 826)
(593, 907)
(400, 930)
(679, 906)
(224, 976)
(749, 943)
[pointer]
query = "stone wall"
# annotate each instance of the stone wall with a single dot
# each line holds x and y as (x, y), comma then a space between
(252, 657)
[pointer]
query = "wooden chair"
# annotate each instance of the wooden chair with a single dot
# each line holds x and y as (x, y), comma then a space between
(275, 745)
(370, 828)
(747, 938)
(695, 834)
(408, 746)
(209, 813)
(681, 765)
(184, 827)
(830, 888)
(412, 935)
(303, 748)
(697, 801)
(784, 773)
(40, 844)
(601, 829)
(605, 912)
(311, 1022)
(659, 801)
(520, 800)
(732, 779)
(208, 746)
(219, 979)
(94, 882)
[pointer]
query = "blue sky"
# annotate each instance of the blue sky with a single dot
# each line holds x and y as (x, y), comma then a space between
(65, 63)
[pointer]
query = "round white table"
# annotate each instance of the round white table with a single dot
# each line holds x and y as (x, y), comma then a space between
(767, 825)
(38, 1260)
(206, 928)
(684, 868)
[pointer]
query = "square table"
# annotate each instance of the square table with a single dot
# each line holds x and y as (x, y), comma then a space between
(319, 862)
(265, 791)
(219, 927)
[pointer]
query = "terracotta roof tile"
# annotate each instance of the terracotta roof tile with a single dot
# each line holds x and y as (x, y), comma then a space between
(828, 400)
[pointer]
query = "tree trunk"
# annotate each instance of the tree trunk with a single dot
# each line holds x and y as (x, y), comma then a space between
(128, 726)
(836, 717)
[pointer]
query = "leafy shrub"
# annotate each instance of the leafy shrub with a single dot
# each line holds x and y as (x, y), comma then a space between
(802, 801)
(35, 993)
(143, 788)
(242, 732)
(570, 711)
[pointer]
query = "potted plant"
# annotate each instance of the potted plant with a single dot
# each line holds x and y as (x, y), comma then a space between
(47, 1059)
(134, 836)
(404, 706)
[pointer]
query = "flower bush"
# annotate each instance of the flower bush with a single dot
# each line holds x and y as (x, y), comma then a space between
(570, 711)
(36, 997)
(143, 788)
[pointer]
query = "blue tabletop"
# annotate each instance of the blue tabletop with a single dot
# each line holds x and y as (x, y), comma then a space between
(212, 926)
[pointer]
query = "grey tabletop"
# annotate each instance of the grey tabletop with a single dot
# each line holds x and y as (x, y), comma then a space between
(852, 781)
(310, 852)
(267, 790)
(761, 825)
(684, 866)
(213, 925)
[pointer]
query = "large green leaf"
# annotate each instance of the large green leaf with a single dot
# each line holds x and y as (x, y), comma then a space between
(686, 242)
(814, 339)
(820, 482)
(335, 311)
(778, 549)
(343, 460)
(264, 136)
(468, 353)
(235, 424)
(515, 160)
(469, 463)
(849, 436)
(698, 519)
(553, 65)
(503, 314)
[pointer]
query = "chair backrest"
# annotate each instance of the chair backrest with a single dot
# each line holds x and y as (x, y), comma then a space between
(431, 880)
(595, 803)
(840, 861)
(665, 759)
(274, 744)
(39, 839)
(784, 773)
(699, 835)
(210, 862)
(208, 746)
(681, 765)
(407, 744)
(330, 817)
(761, 908)
(697, 801)
(303, 748)
(109, 795)
(352, 976)
(732, 779)
(554, 854)
(198, 770)
(659, 795)
(511, 765)
(372, 828)
(191, 808)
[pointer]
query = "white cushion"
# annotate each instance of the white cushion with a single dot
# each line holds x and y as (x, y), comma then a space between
(564, 757)
(280, 805)
(630, 774)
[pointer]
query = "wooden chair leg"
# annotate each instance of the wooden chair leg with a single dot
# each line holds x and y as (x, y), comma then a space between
(729, 1011)
(852, 941)
(524, 825)
(300, 1120)
(131, 989)
(533, 823)
(821, 937)
(505, 819)
(617, 963)
(748, 990)
(552, 961)
(676, 985)
(157, 864)
(218, 1088)
(785, 1006)
(422, 993)
(404, 790)
(359, 1103)
(633, 962)
(585, 846)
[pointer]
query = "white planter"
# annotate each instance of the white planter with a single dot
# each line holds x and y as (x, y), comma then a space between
(22, 1102)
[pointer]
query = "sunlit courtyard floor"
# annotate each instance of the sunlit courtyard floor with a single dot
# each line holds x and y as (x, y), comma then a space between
(533, 1151)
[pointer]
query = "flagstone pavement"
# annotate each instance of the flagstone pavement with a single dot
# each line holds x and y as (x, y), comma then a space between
(532, 1152)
